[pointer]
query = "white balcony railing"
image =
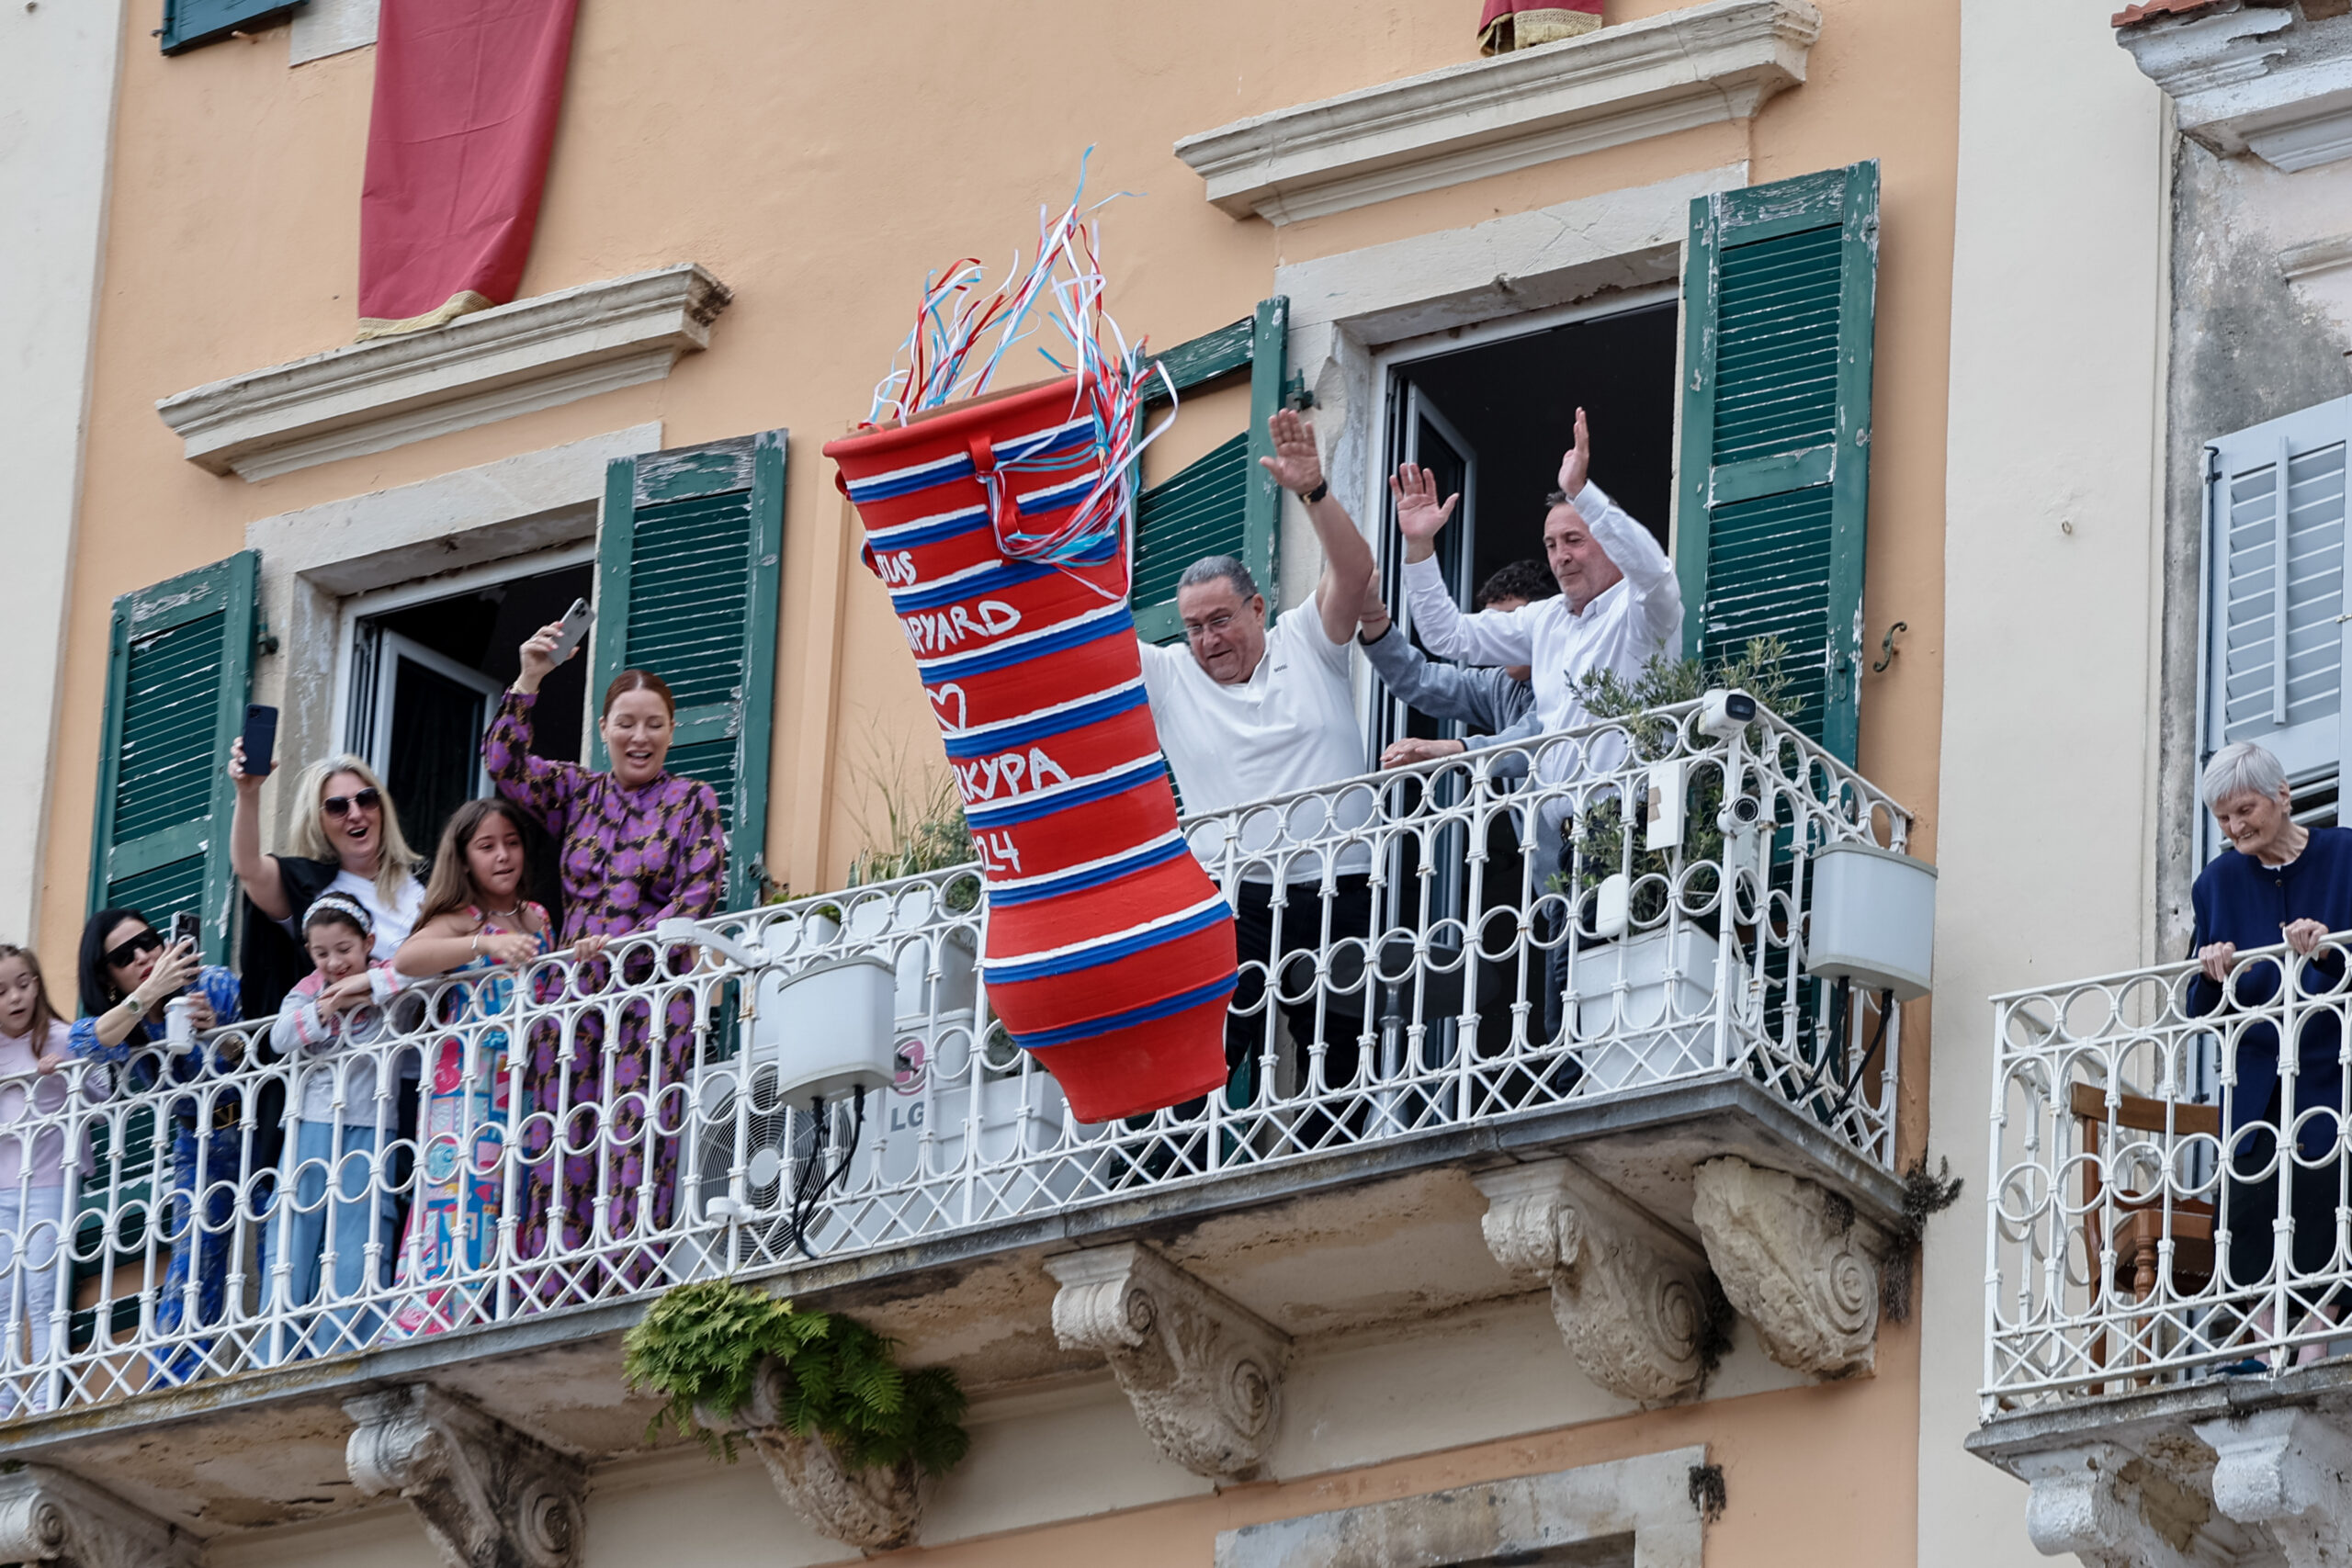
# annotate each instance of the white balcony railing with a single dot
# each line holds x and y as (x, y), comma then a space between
(545, 1174)
(2146, 1222)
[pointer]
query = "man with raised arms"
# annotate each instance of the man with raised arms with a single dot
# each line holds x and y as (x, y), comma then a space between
(1246, 712)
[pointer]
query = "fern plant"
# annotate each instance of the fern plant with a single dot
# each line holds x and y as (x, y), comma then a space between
(702, 1347)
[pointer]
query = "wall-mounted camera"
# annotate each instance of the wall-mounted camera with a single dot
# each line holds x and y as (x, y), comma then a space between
(1723, 713)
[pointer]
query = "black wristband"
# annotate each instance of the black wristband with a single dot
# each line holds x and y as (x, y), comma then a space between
(1322, 488)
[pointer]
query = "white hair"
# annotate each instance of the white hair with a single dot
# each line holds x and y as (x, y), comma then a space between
(2241, 768)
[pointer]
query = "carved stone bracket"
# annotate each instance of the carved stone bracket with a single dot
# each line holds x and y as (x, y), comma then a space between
(1631, 1297)
(488, 1496)
(1202, 1371)
(2113, 1508)
(2289, 1473)
(873, 1509)
(1797, 1263)
(50, 1518)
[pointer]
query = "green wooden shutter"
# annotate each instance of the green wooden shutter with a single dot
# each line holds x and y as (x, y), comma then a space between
(1222, 503)
(187, 23)
(179, 668)
(687, 564)
(1778, 290)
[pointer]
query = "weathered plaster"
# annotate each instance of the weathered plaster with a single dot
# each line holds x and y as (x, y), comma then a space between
(2247, 345)
(311, 559)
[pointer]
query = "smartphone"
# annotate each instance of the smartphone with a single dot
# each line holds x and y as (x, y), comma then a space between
(576, 622)
(261, 738)
(184, 928)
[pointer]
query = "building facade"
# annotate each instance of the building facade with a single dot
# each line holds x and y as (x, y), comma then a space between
(1470, 1309)
(2159, 1361)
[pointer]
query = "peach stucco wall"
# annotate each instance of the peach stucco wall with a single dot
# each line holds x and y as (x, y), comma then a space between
(819, 160)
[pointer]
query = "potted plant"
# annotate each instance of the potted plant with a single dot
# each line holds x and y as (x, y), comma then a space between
(851, 1438)
(1650, 923)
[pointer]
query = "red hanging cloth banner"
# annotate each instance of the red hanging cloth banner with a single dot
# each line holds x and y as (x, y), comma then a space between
(466, 95)
(1507, 25)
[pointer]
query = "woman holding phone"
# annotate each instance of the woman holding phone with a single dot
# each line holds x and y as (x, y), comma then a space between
(639, 845)
(129, 980)
(346, 838)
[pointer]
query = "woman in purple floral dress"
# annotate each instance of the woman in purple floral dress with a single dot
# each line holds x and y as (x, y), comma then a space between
(639, 847)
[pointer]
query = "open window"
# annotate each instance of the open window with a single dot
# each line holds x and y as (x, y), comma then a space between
(426, 664)
(1491, 410)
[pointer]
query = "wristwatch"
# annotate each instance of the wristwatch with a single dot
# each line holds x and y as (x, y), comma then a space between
(1322, 488)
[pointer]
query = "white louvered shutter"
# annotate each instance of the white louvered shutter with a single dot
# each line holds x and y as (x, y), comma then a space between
(2275, 527)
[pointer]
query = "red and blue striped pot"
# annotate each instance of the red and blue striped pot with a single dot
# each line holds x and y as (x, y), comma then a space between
(1110, 954)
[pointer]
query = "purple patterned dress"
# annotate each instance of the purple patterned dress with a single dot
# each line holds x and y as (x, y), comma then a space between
(631, 858)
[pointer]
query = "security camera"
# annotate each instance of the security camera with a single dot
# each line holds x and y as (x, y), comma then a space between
(1723, 713)
(1743, 810)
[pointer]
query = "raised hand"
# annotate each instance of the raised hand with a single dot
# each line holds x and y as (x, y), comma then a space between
(237, 774)
(539, 656)
(1419, 516)
(1576, 468)
(1296, 464)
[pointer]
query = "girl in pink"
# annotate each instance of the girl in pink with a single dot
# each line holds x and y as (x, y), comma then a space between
(34, 1191)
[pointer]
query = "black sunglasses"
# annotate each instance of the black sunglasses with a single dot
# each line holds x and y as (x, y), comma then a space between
(121, 953)
(336, 805)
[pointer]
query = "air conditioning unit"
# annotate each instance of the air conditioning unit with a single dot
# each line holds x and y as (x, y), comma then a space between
(816, 1039)
(1873, 918)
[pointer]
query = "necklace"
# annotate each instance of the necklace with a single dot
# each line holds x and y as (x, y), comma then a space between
(514, 914)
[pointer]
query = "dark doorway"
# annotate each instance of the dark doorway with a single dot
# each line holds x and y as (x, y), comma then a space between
(425, 685)
(1500, 414)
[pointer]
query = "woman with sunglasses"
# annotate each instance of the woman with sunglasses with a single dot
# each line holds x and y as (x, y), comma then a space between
(346, 839)
(129, 978)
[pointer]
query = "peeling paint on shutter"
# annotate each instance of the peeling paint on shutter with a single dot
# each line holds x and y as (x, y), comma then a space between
(178, 672)
(1222, 503)
(1778, 296)
(688, 564)
(2263, 581)
(187, 23)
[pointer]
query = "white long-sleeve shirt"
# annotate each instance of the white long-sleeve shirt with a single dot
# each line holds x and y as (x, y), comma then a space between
(1619, 628)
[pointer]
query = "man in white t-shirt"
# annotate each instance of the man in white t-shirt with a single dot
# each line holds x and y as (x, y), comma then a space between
(1246, 712)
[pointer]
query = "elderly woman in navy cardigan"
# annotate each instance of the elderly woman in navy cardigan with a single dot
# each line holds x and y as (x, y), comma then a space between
(2285, 882)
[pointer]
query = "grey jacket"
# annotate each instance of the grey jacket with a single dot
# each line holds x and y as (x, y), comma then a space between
(1489, 700)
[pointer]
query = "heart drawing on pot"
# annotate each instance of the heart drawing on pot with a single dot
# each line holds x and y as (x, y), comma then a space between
(939, 701)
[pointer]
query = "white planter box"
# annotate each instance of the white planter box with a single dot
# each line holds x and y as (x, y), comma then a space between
(1660, 1024)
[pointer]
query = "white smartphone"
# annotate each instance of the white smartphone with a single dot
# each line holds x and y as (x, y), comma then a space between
(576, 622)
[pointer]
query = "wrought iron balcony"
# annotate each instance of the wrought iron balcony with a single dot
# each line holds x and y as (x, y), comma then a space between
(1644, 1000)
(2169, 1266)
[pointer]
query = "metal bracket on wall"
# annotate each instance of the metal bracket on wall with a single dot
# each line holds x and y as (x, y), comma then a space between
(1888, 648)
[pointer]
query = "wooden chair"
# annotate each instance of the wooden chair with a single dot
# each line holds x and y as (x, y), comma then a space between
(2139, 1219)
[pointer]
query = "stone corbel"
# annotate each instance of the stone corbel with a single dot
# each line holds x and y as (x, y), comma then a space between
(488, 1496)
(58, 1520)
(1632, 1297)
(2289, 1473)
(2112, 1508)
(1797, 1263)
(874, 1509)
(1202, 1371)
